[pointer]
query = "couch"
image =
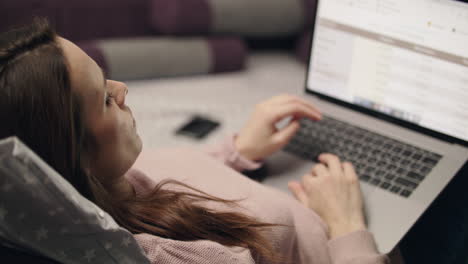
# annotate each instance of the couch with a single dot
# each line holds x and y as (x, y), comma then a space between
(162, 105)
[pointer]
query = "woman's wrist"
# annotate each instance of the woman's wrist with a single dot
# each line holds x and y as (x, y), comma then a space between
(244, 150)
(341, 229)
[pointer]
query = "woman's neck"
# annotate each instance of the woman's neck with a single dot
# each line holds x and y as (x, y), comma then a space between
(122, 187)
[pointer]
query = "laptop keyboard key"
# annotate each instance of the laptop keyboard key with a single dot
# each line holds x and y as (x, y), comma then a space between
(395, 189)
(365, 177)
(416, 176)
(407, 153)
(366, 149)
(381, 163)
(386, 155)
(380, 173)
(405, 193)
(425, 170)
(406, 183)
(360, 165)
(400, 171)
(405, 162)
(375, 182)
(430, 161)
(397, 149)
(385, 185)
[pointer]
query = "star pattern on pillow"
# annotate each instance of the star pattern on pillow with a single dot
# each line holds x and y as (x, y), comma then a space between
(42, 233)
(41, 211)
(108, 245)
(126, 241)
(90, 255)
(3, 213)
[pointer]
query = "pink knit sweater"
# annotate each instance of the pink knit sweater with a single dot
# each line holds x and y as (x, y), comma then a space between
(305, 241)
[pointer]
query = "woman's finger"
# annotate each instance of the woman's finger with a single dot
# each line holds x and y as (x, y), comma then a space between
(281, 99)
(320, 170)
(296, 110)
(349, 172)
(298, 192)
(332, 162)
(283, 136)
(286, 99)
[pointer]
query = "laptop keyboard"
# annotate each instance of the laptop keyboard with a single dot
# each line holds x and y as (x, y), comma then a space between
(392, 165)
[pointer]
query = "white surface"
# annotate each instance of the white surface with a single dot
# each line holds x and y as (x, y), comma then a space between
(162, 106)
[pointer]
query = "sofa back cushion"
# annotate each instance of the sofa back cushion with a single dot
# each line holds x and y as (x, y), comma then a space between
(81, 19)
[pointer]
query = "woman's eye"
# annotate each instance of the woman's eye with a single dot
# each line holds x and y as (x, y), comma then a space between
(109, 99)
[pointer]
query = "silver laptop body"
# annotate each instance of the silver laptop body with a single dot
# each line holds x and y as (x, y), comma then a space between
(398, 68)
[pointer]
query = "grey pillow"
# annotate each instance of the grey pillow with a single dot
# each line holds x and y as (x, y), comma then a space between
(40, 212)
(157, 57)
(251, 18)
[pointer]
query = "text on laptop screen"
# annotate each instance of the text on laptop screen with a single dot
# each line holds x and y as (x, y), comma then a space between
(404, 58)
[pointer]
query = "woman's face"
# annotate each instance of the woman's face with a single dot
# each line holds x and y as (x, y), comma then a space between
(107, 118)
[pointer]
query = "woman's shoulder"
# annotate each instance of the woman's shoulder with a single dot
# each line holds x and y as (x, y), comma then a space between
(140, 181)
(203, 172)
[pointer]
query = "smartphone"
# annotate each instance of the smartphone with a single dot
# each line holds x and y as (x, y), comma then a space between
(198, 127)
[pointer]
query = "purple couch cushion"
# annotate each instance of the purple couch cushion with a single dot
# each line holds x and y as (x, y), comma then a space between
(81, 19)
(91, 19)
(167, 16)
(15, 13)
(228, 54)
(251, 18)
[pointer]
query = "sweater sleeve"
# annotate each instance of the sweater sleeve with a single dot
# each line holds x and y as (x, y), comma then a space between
(166, 251)
(227, 153)
(356, 248)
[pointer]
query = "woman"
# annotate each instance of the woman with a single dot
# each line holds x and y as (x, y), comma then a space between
(57, 100)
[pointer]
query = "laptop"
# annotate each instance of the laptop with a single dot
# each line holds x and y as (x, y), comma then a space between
(391, 77)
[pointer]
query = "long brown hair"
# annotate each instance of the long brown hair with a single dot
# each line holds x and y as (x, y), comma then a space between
(38, 105)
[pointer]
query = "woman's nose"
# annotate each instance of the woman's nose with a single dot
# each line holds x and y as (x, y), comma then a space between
(122, 91)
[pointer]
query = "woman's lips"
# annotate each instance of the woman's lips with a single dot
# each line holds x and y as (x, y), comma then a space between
(131, 114)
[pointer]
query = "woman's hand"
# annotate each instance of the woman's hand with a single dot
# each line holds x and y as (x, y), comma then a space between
(332, 190)
(260, 137)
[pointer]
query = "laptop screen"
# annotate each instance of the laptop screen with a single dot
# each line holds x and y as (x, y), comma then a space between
(406, 59)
